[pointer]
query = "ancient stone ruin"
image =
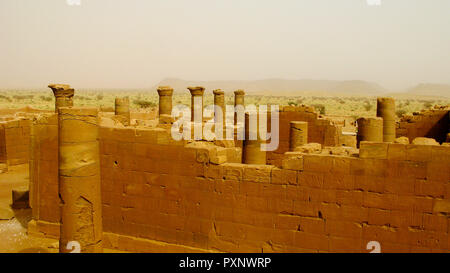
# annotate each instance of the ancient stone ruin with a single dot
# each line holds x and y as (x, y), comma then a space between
(120, 181)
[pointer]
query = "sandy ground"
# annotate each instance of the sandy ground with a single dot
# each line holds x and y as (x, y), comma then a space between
(13, 232)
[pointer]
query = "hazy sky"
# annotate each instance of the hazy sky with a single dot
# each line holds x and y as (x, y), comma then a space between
(137, 43)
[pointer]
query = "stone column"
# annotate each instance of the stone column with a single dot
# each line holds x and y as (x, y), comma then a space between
(298, 134)
(63, 95)
(239, 96)
(165, 100)
(219, 102)
(122, 109)
(79, 179)
(386, 110)
(196, 96)
(31, 168)
(252, 152)
(370, 129)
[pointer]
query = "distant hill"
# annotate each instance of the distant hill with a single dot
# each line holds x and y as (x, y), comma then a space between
(285, 87)
(431, 89)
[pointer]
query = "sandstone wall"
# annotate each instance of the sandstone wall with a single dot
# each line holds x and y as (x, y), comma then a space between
(26, 109)
(320, 130)
(149, 115)
(15, 141)
(159, 195)
(433, 123)
(3, 156)
(44, 198)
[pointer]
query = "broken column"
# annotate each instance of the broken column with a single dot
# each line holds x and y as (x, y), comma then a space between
(122, 109)
(197, 102)
(386, 110)
(252, 152)
(79, 180)
(239, 96)
(370, 129)
(165, 100)
(298, 134)
(63, 95)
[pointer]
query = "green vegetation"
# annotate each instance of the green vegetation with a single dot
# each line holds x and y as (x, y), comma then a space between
(400, 113)
(46, 98)
(144, 104)
(145, 99)
(23, 97)
(367, 106)
(427, 104)
(319, 108)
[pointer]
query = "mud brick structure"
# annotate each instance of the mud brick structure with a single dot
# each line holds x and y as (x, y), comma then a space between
(63, 95)
(386, 111)
(370, 129)
(298, 134)
(432, 123)
(122, 109)
(79, 179)
(165, 100)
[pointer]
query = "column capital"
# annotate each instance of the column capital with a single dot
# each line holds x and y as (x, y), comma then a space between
(62, 90)
(239, 92)
(165, 91)
(218, 92)
(196, 90)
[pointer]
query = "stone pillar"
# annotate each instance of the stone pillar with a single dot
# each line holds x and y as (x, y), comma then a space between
(239, 96)
(252, 152)
(219, 102)
(165, 100)
(122, 109)
(63, 95)
(370, 129)
(196, 95)
(386, 110)
(31, 167)
(298, 134)
(79, 179)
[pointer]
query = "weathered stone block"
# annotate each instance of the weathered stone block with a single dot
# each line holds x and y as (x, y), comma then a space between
(257, 173)
(317, 163)
(378, 150)
(293, 163)
(233, 171)
(418, 152)
(442, 206)
(401, 140)
(424, 141)
(396, 151)
(284, 176)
